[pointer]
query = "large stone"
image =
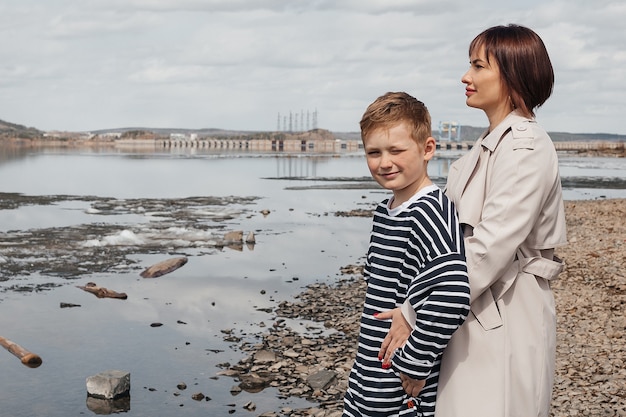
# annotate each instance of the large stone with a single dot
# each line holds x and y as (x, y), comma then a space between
(164, 267)
(109, 384)
(321, 379)
(264, 356)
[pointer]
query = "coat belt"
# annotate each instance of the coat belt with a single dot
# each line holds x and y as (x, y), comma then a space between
(541, 267)
(484, 307)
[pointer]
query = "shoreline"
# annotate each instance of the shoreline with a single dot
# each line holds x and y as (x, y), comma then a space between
(590, 297)
(292, 143)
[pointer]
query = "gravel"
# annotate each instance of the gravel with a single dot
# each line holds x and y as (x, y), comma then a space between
(590, 380)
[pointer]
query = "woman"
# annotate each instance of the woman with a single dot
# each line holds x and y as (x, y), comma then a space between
(507, 191)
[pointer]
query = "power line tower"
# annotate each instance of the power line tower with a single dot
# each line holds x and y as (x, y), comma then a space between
(450, 131)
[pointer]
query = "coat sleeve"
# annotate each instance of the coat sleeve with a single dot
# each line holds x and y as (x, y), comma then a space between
(522, 171)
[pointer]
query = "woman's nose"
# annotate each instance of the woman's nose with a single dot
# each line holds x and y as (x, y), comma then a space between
(465, 78)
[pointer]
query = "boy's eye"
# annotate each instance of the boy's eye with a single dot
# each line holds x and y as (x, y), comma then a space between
(373, 153)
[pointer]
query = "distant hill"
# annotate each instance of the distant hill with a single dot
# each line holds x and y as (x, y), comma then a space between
(468, 133)
(585, 137)
(19, 131)
(471, 133)
(167, 131)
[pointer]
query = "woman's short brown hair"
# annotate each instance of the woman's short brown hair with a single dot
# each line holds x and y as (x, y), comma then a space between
(523, 61)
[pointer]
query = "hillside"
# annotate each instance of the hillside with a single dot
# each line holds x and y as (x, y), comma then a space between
(12, 130)
(468, 133)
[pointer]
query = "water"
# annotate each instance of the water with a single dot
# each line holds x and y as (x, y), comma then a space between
(82, 216)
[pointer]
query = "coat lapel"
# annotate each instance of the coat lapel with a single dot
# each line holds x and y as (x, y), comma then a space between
(467, 177)
(465, 171)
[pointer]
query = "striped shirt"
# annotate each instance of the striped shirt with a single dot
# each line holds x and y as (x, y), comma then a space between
(416, 252)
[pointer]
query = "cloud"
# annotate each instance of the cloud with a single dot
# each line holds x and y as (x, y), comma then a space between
(236, 64)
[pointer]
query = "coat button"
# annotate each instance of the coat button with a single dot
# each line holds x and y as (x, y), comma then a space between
(521, 128)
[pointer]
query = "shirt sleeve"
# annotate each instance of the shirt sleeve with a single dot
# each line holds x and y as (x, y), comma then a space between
(440, 299)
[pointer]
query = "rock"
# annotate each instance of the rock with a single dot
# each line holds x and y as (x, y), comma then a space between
(290, 353)
(321, 379)
(109, 384)
(164, 267)
(236, 236)
(69, 305)
(250, 238)
(228, 372)
(263, 356)
(254, 382)
(102, 292)
(198, 396)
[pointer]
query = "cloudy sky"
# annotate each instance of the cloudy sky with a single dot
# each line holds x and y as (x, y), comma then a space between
(81, 65)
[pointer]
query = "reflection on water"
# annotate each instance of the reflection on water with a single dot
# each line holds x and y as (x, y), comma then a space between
(103, 406)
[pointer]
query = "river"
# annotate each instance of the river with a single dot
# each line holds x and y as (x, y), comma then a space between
(73, 216)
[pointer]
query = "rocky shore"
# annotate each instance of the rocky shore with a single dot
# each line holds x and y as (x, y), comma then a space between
(591, 351)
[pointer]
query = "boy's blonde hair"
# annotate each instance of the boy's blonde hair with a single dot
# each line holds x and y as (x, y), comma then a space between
(394, 107)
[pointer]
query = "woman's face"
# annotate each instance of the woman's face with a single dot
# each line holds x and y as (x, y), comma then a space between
(484, 88)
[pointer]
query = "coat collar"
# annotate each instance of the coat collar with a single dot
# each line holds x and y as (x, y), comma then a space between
(490, 140)
(470, 207)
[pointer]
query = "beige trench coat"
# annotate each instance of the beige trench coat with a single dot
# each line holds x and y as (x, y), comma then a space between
(507, 190)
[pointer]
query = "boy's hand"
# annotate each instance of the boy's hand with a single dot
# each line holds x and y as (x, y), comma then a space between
(397, 336)
(412, 386)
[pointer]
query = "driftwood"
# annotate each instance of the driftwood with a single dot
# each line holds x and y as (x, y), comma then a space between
(29, 359)
(163, 268)
(102, 292)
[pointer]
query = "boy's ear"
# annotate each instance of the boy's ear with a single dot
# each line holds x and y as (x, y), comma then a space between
(430, 146)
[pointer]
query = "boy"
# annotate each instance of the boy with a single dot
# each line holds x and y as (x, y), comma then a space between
(415, 253)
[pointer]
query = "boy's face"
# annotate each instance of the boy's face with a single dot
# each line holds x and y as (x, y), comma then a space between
(397, 162)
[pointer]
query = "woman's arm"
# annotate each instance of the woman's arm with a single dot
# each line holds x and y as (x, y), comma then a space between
(521, 172)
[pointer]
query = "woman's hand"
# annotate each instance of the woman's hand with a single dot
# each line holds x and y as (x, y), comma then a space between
(397, 336)
(412, 386)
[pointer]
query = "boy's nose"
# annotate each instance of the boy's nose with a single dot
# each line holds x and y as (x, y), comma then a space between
(385, 160)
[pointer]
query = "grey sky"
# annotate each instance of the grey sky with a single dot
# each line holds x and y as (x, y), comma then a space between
(83, 65)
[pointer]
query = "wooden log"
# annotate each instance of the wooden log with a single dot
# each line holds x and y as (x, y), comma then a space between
(102, 292)
(163, 268)
(28, 358)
